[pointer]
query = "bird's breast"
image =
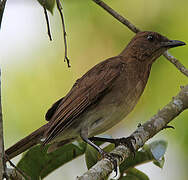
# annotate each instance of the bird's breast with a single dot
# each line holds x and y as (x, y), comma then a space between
(115, 106)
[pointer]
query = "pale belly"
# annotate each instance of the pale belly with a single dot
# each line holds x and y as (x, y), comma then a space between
(110, 116)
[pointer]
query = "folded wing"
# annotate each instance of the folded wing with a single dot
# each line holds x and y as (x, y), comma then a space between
(86, 91)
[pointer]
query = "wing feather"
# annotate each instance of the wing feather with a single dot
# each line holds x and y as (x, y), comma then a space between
(86, 91)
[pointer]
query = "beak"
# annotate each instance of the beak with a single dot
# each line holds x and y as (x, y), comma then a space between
(172, 43)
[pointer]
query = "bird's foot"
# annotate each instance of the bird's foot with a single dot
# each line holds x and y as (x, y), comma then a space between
(167, 127)
(113, 159)
(127, 142)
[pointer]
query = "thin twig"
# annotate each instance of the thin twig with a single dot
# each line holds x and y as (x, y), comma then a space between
(2, 160)
(117, 16)
(134, 29)
(176, 63)
(59, 7)
(143, 133)
(2, 154)
(2, 8)
(47, 23)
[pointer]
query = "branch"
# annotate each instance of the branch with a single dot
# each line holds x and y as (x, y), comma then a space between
(59, 7)
(2, 157)
(2, 160)
(134, 29)
(176, 63)
(144, 132)
(14, 174)
(2, 8)
(117, 16)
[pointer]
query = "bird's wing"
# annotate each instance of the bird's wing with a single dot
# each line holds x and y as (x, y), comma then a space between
(52, 110)
(86, 91)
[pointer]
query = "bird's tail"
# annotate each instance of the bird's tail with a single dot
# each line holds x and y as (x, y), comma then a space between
(25, 143)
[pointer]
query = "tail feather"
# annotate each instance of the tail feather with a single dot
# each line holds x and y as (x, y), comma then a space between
(27, 142)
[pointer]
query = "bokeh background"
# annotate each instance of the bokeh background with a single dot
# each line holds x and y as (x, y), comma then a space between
(34, 74)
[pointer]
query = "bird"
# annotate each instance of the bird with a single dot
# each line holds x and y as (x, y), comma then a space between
(101, 98)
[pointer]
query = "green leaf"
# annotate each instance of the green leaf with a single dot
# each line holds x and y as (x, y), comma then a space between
(37, 163)
(129, 177)
(91, 156)
(158, 149)
(109, 148)
(159, 163)
(134, 174)
(48, 4)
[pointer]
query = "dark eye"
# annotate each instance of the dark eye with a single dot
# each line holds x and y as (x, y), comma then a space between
(150, 38)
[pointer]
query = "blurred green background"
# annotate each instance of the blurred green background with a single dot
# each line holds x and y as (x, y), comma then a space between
(34, 74)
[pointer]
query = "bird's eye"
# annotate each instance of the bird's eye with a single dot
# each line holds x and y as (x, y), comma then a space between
(150, 38)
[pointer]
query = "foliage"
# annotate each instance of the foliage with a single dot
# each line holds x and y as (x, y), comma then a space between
(37, 164)
(48, 4)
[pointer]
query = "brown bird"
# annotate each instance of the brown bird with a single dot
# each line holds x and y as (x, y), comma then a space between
(101, 98)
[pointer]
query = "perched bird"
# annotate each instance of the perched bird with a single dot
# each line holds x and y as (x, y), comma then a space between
(101, 98)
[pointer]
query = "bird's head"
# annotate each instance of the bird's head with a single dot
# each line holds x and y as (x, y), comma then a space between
(148, 46)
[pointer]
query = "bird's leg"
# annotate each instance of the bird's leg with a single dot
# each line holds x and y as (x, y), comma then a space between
(125, 141)
(104, 154)
(88, 141)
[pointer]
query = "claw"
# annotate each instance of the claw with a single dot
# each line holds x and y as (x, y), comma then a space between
(166, 127)
(139, 124)
(112, 158)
